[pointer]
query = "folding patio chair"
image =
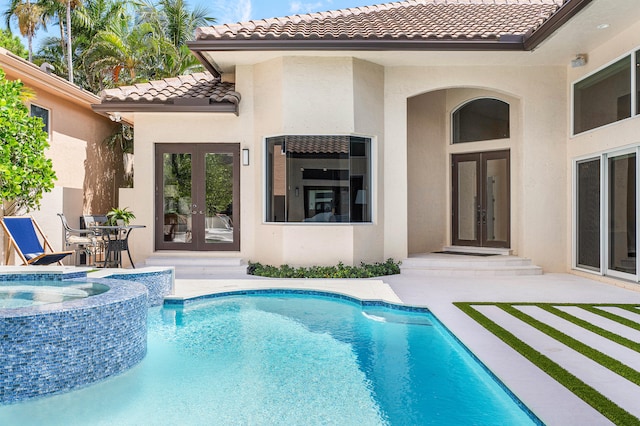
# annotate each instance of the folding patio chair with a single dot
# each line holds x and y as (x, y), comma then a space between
(22, 235)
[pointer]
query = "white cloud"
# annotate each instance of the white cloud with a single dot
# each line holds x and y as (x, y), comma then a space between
(231, 11)
(297, 7)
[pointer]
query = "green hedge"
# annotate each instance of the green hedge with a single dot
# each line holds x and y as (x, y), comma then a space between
(390, 267)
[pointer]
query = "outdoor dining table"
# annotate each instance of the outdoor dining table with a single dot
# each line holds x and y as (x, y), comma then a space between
(116, 240)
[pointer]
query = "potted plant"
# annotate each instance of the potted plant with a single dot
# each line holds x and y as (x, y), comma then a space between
(120, 217)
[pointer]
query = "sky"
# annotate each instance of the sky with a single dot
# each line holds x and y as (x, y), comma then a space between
(230, 11)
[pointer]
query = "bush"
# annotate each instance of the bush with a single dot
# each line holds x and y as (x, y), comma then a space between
(378, 269)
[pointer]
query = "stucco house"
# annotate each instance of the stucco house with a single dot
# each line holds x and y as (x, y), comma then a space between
(398, 129)
(89, 172)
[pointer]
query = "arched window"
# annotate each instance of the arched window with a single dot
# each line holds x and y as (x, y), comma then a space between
(481, 120)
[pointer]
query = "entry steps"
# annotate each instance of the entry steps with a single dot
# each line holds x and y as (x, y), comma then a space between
(470, 264)
(201, 267)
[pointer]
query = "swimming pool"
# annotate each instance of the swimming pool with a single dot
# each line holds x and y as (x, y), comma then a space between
(19, 294)
(288, 359)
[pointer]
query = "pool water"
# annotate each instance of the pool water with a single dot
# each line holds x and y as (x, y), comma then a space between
(20, 294)
(288, 360)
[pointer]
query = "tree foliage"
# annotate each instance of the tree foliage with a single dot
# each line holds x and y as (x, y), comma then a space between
(114, 42)
(25, 172)
(13, 44)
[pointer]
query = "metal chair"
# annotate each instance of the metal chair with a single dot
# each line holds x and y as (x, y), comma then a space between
(84, 240)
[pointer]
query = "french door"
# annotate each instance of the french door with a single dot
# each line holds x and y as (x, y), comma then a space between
(197, 197)
(481, 199)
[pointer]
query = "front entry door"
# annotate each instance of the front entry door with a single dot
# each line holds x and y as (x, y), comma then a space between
(197, 197)
(481, 199)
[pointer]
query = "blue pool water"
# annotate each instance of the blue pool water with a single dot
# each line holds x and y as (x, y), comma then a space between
(20, 294)
(287, 360)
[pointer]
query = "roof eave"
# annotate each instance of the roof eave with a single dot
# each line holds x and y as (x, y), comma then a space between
(508, 42)
(211, 66)
(220, 107)
(551, 25)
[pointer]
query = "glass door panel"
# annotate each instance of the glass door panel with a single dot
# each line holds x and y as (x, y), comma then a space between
(495, 213)
(219, 198)
(467, 188)
(588, 214)
(197, 197)
(176, 198)
(622, 213)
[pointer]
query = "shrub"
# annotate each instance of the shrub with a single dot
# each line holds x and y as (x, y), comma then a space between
(378, 269)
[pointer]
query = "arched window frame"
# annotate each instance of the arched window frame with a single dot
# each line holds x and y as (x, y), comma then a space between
(455, 131)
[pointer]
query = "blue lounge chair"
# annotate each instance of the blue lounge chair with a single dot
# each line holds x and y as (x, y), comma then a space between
(22, 234)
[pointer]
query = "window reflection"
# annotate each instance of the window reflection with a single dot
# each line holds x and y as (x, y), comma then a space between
(318, 179)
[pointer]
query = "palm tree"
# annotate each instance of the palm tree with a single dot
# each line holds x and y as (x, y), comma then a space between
(174, 19)
(30, 18)
(69, 6)
(151, 46)
(122, 47)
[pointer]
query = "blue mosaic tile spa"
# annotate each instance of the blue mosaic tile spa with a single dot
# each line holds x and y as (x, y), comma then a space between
(56, 347)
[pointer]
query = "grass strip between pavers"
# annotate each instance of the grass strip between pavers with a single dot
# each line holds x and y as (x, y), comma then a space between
(601, 358)
(613, 317)
(599, 402)
(635, 346)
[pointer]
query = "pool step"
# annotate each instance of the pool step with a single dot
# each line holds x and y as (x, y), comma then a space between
(443, 264)
(201, 267)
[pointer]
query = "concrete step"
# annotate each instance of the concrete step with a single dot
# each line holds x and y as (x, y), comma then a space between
(200, 266)
(468, 265)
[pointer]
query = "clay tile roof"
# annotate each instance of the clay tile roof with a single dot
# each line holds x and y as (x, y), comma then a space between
(405, 20)
(317, 144)
(193, 89)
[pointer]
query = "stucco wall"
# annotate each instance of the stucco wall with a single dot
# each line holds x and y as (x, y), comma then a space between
(152, 128)
(295, 95)
(538, 149)
(311, 96)
(609, 138)
(80, 158)
(427, 183)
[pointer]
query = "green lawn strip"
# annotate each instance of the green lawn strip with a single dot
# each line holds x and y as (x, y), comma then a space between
(631, 308)
(585, 392)
(635, 346)
(613, 317)
(586, 350)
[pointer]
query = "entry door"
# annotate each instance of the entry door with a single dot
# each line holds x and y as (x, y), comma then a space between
(197, 197)
(481, 199)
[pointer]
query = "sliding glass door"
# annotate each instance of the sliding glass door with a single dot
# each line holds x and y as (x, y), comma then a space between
(588, 215)
(621, 214)
(606, 206)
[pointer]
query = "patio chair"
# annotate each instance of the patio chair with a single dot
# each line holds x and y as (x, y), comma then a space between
(22, 235)
(84, 240)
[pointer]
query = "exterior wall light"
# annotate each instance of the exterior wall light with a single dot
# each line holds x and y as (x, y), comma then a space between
(245, 156)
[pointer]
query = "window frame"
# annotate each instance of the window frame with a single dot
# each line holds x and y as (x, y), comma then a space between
(372, 181)
(634, 56)
(47, 126)
(469, 101)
